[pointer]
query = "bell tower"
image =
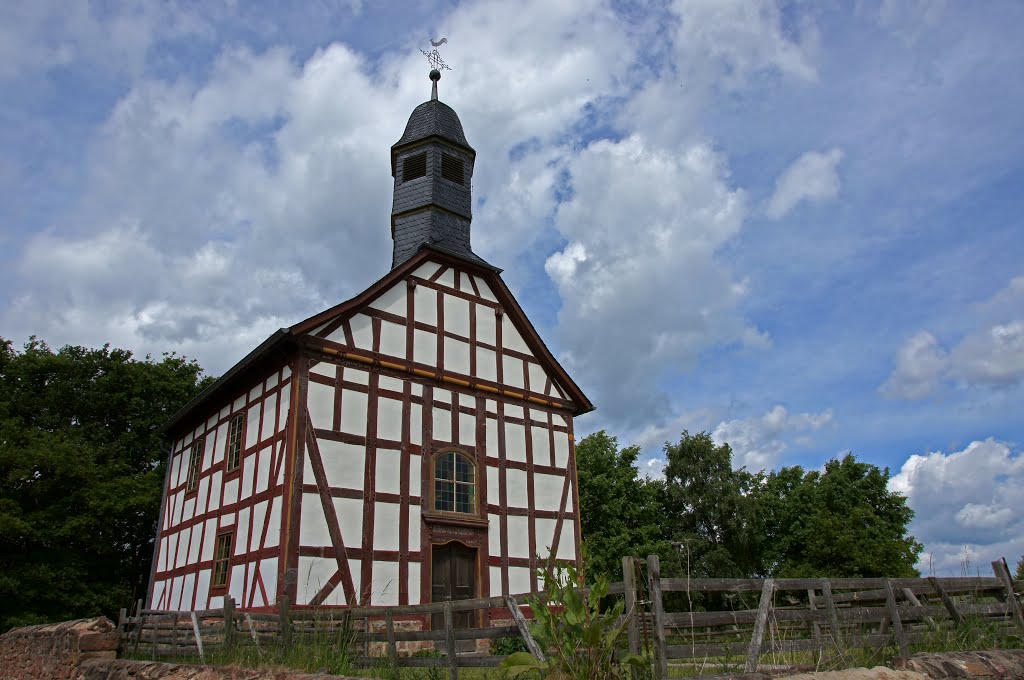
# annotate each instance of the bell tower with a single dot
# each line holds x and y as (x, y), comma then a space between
(432, 165)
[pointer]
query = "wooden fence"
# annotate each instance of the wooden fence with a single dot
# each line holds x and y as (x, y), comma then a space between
(738, 622)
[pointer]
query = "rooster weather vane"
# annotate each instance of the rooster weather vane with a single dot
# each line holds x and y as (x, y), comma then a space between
(436, 64)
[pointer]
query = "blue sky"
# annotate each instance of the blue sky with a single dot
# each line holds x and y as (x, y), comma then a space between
(795, 226)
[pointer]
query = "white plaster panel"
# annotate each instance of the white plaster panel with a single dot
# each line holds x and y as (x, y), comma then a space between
(467, 429)
(486, 364)
(515, 488)
(538, 378)
(456, 356)
(353, 412)
(231, 491)
(355, 567)
(392, 300)
(271, 381)
(286, 372)
(385, 526)
(224, 412)
(274, 530)
(495, 573)
(350, 518)
(491, 433)
(426, 270)
(255, 594)
(414, 531)
(464, 285)
(268, 570)
(425, 305)
(512, 371)
(518, 580)
(561, 449)
(320, 402)
(456, 315)
(195, 544)
(176, 512)
(161, 563)
(238, 404)
(356, 375)
(264, 469)
(389, 470)
(467, 400)
(208, 446)
(256, 392)
(389, 419)
(442, 424)
(386, 382)
(545, 535)
(567, 542)
(325, 368)
(259, 518)
(494, 534)
(493, 485)
(416, 389)
(384, 588)
(362, 331)
(443, 396)
(540, 438)
(202, 588)
(215, 488)
(424, 347)
(227, 520)
(392, 339)
(314, 573)
(415, 424)
(188, 510)
(188, 588)
(343, 463)
(159, 590)
(510, 337)
(203, 490)
(485, 290)
(173, 593)
(313, 529)
(559, 419)
(220, 443)
(414, 581)
(184, 536)
(547, 491)
(515, 442)
(176, 471)
(209, 539)
(246, 477)
(242, 532)
(486, 325)
(286, 400)
(217, 602)
(514, 411)
(447, 278)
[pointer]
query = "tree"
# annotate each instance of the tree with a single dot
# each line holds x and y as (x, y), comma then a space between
(1020, 569)
(843, 522)
(710, 509)
(81, 475)
(620, 512)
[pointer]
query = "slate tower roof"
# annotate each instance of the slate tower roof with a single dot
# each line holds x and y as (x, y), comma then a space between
(433, 169)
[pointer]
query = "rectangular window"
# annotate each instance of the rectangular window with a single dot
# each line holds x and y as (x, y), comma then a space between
(194, 463)
(414, 167)
(222, 559)
(452, 169)
(234, 454)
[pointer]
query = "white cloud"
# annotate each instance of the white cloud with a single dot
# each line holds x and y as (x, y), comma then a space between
(965, 498)
(813, 177)
(989, 356)
(757, 443)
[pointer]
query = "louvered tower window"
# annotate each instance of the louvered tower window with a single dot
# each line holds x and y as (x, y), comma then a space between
(414, 167)
(452, 169)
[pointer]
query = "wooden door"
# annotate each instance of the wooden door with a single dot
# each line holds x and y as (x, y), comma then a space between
(453, 577)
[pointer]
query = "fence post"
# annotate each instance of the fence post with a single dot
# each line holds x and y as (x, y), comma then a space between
(229, 623)
(1012, 603)
(524, 629)
(833, 616)
(894, 616)
(449, 632)
(632, 604)
(389, 628)
(199, 637)
(138, 628)
(912, 599)
(285, 622)
(954, 613)
(815, 628)
(122, 630)
(658, 610)
(765, 606)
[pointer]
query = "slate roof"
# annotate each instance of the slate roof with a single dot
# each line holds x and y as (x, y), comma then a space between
(433, 118)
(434, 229)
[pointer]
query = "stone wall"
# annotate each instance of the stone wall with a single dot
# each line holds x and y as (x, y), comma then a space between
(55, 650)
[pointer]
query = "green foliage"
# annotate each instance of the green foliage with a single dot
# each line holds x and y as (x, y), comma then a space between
(80, 475)
(507, 645)
(843, 522)
(620, 512)
(579, 638)
(1020, 570)
(711, 510)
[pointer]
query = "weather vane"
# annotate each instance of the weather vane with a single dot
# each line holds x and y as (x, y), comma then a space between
(436, 64)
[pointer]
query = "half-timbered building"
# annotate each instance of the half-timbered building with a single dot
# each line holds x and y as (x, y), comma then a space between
(414, 443)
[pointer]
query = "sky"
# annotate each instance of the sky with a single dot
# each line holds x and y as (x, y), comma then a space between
(793, 225)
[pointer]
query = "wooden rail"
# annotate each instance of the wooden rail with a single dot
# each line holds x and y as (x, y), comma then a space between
(730, 621)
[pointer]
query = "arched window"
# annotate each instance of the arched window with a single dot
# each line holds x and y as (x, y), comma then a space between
(454, 483)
